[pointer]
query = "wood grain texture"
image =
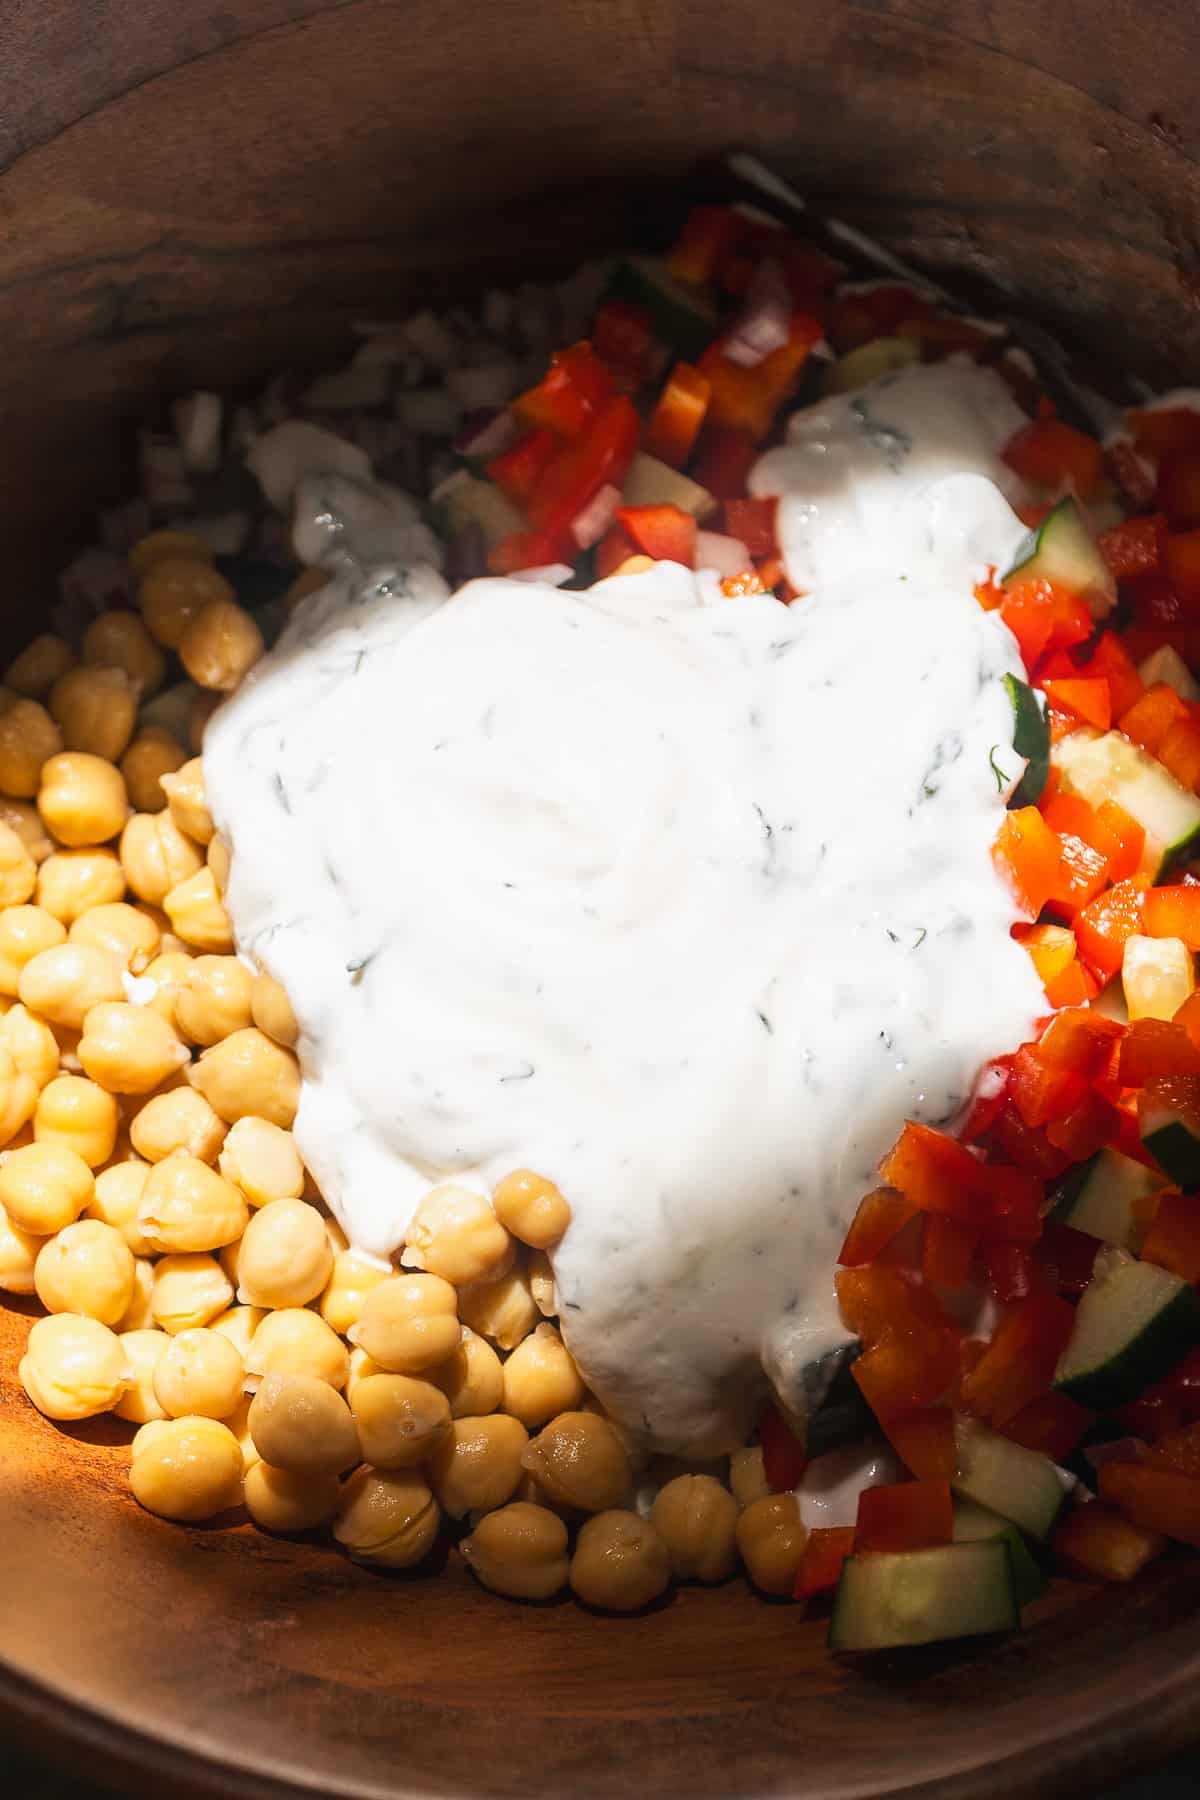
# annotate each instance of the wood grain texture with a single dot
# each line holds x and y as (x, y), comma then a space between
(203, 192)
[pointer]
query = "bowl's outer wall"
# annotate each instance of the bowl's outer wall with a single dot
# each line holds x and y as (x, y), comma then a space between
(195, 193)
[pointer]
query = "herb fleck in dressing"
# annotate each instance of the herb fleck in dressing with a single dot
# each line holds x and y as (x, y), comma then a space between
(684, 901)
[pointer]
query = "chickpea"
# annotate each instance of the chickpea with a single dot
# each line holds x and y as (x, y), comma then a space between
(281, 1500)
(409, 1323)
(295, 1341)
(95, 709)
(519, 1550)
(189, 1290)
(771, 1537)
(73, 1367)
(696, 1519)
(219, 645)
(620, 1562)
(360, 1367)
(119, 640)
(200, 1373)
(197, 915)
(214, 1000)
(541, 1284)
(219, 861)
(151, 755)
(179, 1120)
(286, 1259)
(36, 668)
(351, 1280)
(400, 1419)
(387, 1517)
(76, 1112)
(166, 542)
(132, 936)
(189, 1469)
(455, 1234)
(239, 1324)
(82, 799)
(186, 1206)
(63, 983)
(541, 1379)
(18, 1256)
(272, 1011)
(581, 1462)
(143, 1351)
(165, 976)
(140, 1315)
(29, 737)
(185, 795)
(18, 871)
(302, 1424)
(44, 1187)
(472, 1378)
(477, 1464)
(747, 1477)
(246, 1075)
(25, 931)
(239, 1423)
(31, 1044)
(70, 882)
(263, 1160)
(174, 589)
(86, 1268)
(531, 1208)
(128, 1049)
(156, 858)
(25, 819)
(18, 1096)
(502, 1310)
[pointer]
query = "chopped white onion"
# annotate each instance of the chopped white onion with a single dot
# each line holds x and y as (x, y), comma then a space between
(590, 525)
(727, 555)
(551, 574)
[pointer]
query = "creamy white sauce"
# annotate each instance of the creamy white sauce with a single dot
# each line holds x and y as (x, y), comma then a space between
(829, 1488)
(685, 901)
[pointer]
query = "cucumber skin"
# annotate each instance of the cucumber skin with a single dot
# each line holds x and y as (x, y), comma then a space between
(1007, 1618)
(1153, 1352)
(1176, 1151)
(1031, 739)
(687, 331)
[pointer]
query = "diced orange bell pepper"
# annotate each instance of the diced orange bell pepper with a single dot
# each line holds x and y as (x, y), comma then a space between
(748, 581)
(1159, 1499)
(1051, 948)
(901, 1373)
(517, 471)
(1183, 1385)
(947, 1251)
(825, 1550)
(879, 1299)
(1010, 1273)
(783, 1454)
(1102, 927)
(1082, 869)
(991, 1093)
(1089, 699)
(1154, 1414)
(911, 1515)
(1173, 1240)
(1043, 1090)
(1051, 453)
(708, 233)
(1179, 751)
(1149, 719)
(934, 1172)
(614, 548)
(1179, 1092)
(665, 532)
(748, 399)
(1118, 837)
(924, 1441)
(1189, 1017)
(569, 395)
(1087, 1127)
(1019, 1363)
(1081, 1040)
(1135, 546)
(1029, 855)
(1159, 430)
(1181, 560)
(752, 522)
(882, 1215)
(1072, 987)
(1112, 660)
(1098, 1543)
(1041, 618)
(623, 339)
(1154, 1048)
(676, 420)
(1053, 1423)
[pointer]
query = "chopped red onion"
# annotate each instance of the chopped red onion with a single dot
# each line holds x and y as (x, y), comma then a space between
(765, 320)
(1126, 1449)
(589, 526)
(727, 555)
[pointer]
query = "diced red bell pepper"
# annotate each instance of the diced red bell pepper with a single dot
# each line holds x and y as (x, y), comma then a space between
(665, 532)
(924, 1441)
(990, 1095)
(901, 1373)
(708, 233)
(1179, 751)
(676, 420)
(614, 548)
(1019, 1363)
(1178, 1451)
(1102, 927)
(1042, 618)
(911, 1515)
(1067, 1256)
(1179, 487)
(1098, 1543)
(783, 1453)
(947, 1251)
(1181, 560)
(748, 399)
(601, 457)
(725, 460)
(1081, 1040)
(1073, 986)
(1112, 660)
(1053, 1424)
(825, 1550)
(1135, 546)
(1008, 1271)
(1183, 1384)
(1154, 1048)
(939, 1175)
(517, 471)
(1043, 1090)
(1159, 1499)
(569, 395)
(855, 319)
(1119, 838)
(882, 1215)
(752, 522)
(623, 339)
(1159, 431)
(1029, 855)
(1189, 1017)
(1027, 1145)
(1089, 699)
(1052, 454)
(1152, 1415)
(1087, 1127)
(527, 550)
(879, 1300)
(1173, 1240)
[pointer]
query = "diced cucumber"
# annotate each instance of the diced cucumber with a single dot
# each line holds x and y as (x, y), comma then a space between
(975, 1524)
(1166, 664)
(1100, 766)
(882, 356)
(1134, 1321)
(1157, 976)
(887, 1599)
(462, 501)
(1031, 739)
(1110, 1003)
(652, 483)
(1063, 551)
(1169, 1126)
(1021, 1485)
(684, 317)
(1110, 1200)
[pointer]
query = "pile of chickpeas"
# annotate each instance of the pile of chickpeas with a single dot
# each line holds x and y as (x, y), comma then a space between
(153, 1199)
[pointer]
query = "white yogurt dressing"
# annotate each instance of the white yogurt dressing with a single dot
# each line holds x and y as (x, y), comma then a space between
(684, 901)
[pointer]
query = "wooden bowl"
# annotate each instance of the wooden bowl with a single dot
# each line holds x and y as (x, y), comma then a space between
(196, 193)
